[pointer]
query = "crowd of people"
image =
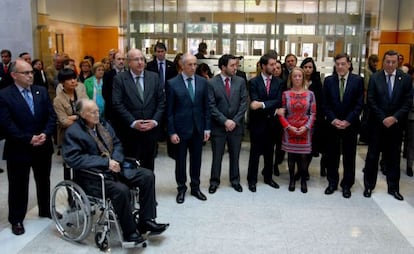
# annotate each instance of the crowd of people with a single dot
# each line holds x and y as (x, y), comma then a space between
(118, 109)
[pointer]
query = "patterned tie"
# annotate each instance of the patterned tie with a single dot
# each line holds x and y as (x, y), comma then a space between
(138, 81)
(190, 88)
(267, 85)
(227, 87)
(161, 72)
(389, 84)
(29, 100)
(341, 89)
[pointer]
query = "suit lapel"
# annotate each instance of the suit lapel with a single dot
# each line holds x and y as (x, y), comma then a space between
(132, 87)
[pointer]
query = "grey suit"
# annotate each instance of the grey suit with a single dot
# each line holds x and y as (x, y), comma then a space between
(128, 107)
(224, 108)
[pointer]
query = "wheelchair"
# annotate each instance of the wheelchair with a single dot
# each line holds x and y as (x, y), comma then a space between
(73, 210)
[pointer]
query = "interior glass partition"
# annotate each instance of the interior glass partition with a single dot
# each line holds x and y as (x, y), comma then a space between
(315, 28)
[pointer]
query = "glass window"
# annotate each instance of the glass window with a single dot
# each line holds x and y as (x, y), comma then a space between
(226, 28)
(202, 28)
(300, 29)
(250, 29)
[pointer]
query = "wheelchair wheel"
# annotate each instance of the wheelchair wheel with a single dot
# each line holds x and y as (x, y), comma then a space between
(71, 211)
(101, 240)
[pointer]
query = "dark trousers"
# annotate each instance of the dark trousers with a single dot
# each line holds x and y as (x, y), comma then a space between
(18, 175)
(218, 143)
(194, 145)
(260, 144)
(341, 142)
(118, 191)
(388, 141)
(142, 146)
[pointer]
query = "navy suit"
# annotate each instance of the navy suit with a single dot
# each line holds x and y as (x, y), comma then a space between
(188, 120)
(345, 140)
(19, 126)
(263, 126)
(387, 140)
(128, 107)
(170, 71)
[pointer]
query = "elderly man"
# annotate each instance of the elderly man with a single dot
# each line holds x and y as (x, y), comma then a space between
(90, 144)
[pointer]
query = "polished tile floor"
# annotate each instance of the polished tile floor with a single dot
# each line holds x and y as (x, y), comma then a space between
(268, 221)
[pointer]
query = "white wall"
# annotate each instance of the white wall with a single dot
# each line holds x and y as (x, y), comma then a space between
(88, 12)
(17, 26)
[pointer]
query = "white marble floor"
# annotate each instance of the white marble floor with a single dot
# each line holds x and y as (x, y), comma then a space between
(268, 221)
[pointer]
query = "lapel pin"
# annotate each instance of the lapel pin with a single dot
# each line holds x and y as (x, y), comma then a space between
(399, 78)
(37, 92)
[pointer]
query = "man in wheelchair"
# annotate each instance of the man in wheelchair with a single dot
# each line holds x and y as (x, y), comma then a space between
(90, 144)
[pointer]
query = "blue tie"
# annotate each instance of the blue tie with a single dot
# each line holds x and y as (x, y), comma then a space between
(29, 100)
(190, 88)
(161, 72)
(389, 84)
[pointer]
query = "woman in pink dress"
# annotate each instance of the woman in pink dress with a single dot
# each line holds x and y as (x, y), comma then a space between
(297, 117)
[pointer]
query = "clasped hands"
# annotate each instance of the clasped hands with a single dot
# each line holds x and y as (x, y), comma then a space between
(144, 125)
(340, 124)
(38, 140)
(297, 130)
(389, 121)
(114, 166)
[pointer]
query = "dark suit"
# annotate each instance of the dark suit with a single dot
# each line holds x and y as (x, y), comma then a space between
(344, 140)
(128, 107)
(189, 120)
(80, 151)
(224, 108)
(170, 71)
(262, 126)
(38, 79)
(380, 137)
(5, 78)
(19, 125)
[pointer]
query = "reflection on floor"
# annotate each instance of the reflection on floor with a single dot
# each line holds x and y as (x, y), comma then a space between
(268, 221)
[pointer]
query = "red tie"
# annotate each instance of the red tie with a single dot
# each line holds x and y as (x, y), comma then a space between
(6, 69)
(267, 85)
(227, 87)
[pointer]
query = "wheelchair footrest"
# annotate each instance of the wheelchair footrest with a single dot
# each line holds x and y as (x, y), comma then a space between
(127, 245)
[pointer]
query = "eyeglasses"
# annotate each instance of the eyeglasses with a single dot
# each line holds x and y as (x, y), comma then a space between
(27, 73)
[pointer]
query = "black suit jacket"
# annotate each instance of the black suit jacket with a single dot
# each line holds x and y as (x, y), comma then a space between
(381, 106)
(353, 99)
(170, 71)
(19, 124)
(183, 115)
(5, 78)
(259, 119)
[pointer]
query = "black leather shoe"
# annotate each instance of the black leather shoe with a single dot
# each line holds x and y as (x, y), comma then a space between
(292, 186)
(152, 227)
(396, 195)
(346, 192)
(330, 189)
(276, 171)
(367, 193)
(180, 197)
(212, 189)
(252, 187)
(18, 228)
(303, 186)
(134, 237)
(272, 184)
(198, 194)
(409, 171)
(237, 187)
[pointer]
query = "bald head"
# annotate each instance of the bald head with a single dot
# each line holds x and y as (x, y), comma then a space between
(88, 111)
(189, 64)
(22, 73)
(136, 61)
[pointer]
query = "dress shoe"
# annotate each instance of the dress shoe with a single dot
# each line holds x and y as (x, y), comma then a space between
(330, 189)
(292, 185)
(367, 193)
(303, 186)
(237, 187)
(272, 184)
(198, 194)
(346, 192)
(212, 189)
(18, 228)
(252, 187)
(396, 195)
(180, 197)
(409, 171)
(276, 171)
(134, 237)
(151, 226)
